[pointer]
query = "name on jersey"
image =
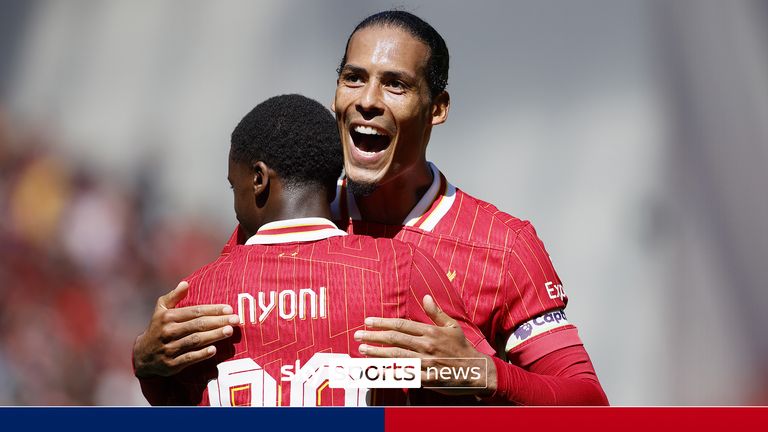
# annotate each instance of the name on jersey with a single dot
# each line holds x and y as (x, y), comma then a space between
(287, 304)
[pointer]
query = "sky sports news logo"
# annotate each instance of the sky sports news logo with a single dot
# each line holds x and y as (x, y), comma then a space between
(407, 373)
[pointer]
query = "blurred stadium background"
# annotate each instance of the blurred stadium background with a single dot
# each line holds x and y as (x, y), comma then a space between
(634, 134)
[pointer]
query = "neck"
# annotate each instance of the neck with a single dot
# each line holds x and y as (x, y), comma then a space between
(392, 201)
(300, 203)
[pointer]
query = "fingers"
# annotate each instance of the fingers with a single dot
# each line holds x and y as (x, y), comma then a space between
(178, 328)
(198, 340)
(398, 324)
(189, 358)
(170, 300)
(386, 352)
(434, 312)
(180, 337)
(394, 339)
(191, 312)
(425, 339)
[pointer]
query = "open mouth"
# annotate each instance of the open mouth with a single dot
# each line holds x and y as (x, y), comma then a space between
(369, 139)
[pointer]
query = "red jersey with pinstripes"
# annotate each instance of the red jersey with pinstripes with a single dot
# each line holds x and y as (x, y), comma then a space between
(299, 294)
(497, 263)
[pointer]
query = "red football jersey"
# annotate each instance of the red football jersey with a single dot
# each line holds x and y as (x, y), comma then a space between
(302, 288)
(496, 262)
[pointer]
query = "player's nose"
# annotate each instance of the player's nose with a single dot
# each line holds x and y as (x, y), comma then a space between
(369, 102)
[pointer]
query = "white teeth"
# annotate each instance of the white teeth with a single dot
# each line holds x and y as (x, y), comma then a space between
(367, 130)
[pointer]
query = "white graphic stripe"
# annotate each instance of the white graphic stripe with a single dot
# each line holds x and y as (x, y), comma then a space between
(328, 230)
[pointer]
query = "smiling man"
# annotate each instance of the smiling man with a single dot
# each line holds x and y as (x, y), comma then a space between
(390, 93)
(385, 113)
(299, 285)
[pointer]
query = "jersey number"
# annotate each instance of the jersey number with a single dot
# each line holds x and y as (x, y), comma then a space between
(244, 380)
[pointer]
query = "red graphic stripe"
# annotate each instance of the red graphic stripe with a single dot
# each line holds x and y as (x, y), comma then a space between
(577, 419)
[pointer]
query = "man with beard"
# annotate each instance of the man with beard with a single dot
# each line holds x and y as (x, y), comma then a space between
(390, 93)
(300, 286)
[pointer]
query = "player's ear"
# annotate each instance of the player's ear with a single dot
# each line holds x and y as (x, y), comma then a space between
(260, 178)
(440, 106)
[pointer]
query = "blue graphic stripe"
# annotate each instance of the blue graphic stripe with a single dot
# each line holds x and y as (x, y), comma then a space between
(99, 419)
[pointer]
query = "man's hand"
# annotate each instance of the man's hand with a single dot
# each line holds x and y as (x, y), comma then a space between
(177, 338)
(440, 346)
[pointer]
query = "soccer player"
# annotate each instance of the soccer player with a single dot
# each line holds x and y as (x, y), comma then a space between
(390, 93)
(300, 287)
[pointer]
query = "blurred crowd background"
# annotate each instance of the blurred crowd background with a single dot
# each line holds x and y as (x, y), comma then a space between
(633, 133)
(83, 257)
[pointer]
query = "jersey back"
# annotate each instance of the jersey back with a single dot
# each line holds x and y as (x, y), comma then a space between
(300, 304)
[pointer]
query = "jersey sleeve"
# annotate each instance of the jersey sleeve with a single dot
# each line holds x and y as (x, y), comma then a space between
(534, 322)
(427, 277)
(562, 377)
(163, 391)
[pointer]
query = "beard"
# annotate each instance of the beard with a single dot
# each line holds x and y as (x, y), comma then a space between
(361, 189)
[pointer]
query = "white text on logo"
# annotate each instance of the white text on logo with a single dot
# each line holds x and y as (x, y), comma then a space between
(555, 290)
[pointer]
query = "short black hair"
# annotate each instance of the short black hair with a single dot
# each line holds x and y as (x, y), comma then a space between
(437, 64)
(295, 136)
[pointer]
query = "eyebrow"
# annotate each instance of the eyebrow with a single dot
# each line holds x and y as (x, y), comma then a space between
(399, 75)
(390, 74)
(353, 69)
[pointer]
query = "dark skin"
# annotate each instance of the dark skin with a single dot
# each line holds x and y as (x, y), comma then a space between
(179, 337)
(385, 114)
(441, 345)
(384, 87)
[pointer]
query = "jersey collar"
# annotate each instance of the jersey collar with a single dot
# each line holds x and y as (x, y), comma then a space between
(425, 215)
(295, 230)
